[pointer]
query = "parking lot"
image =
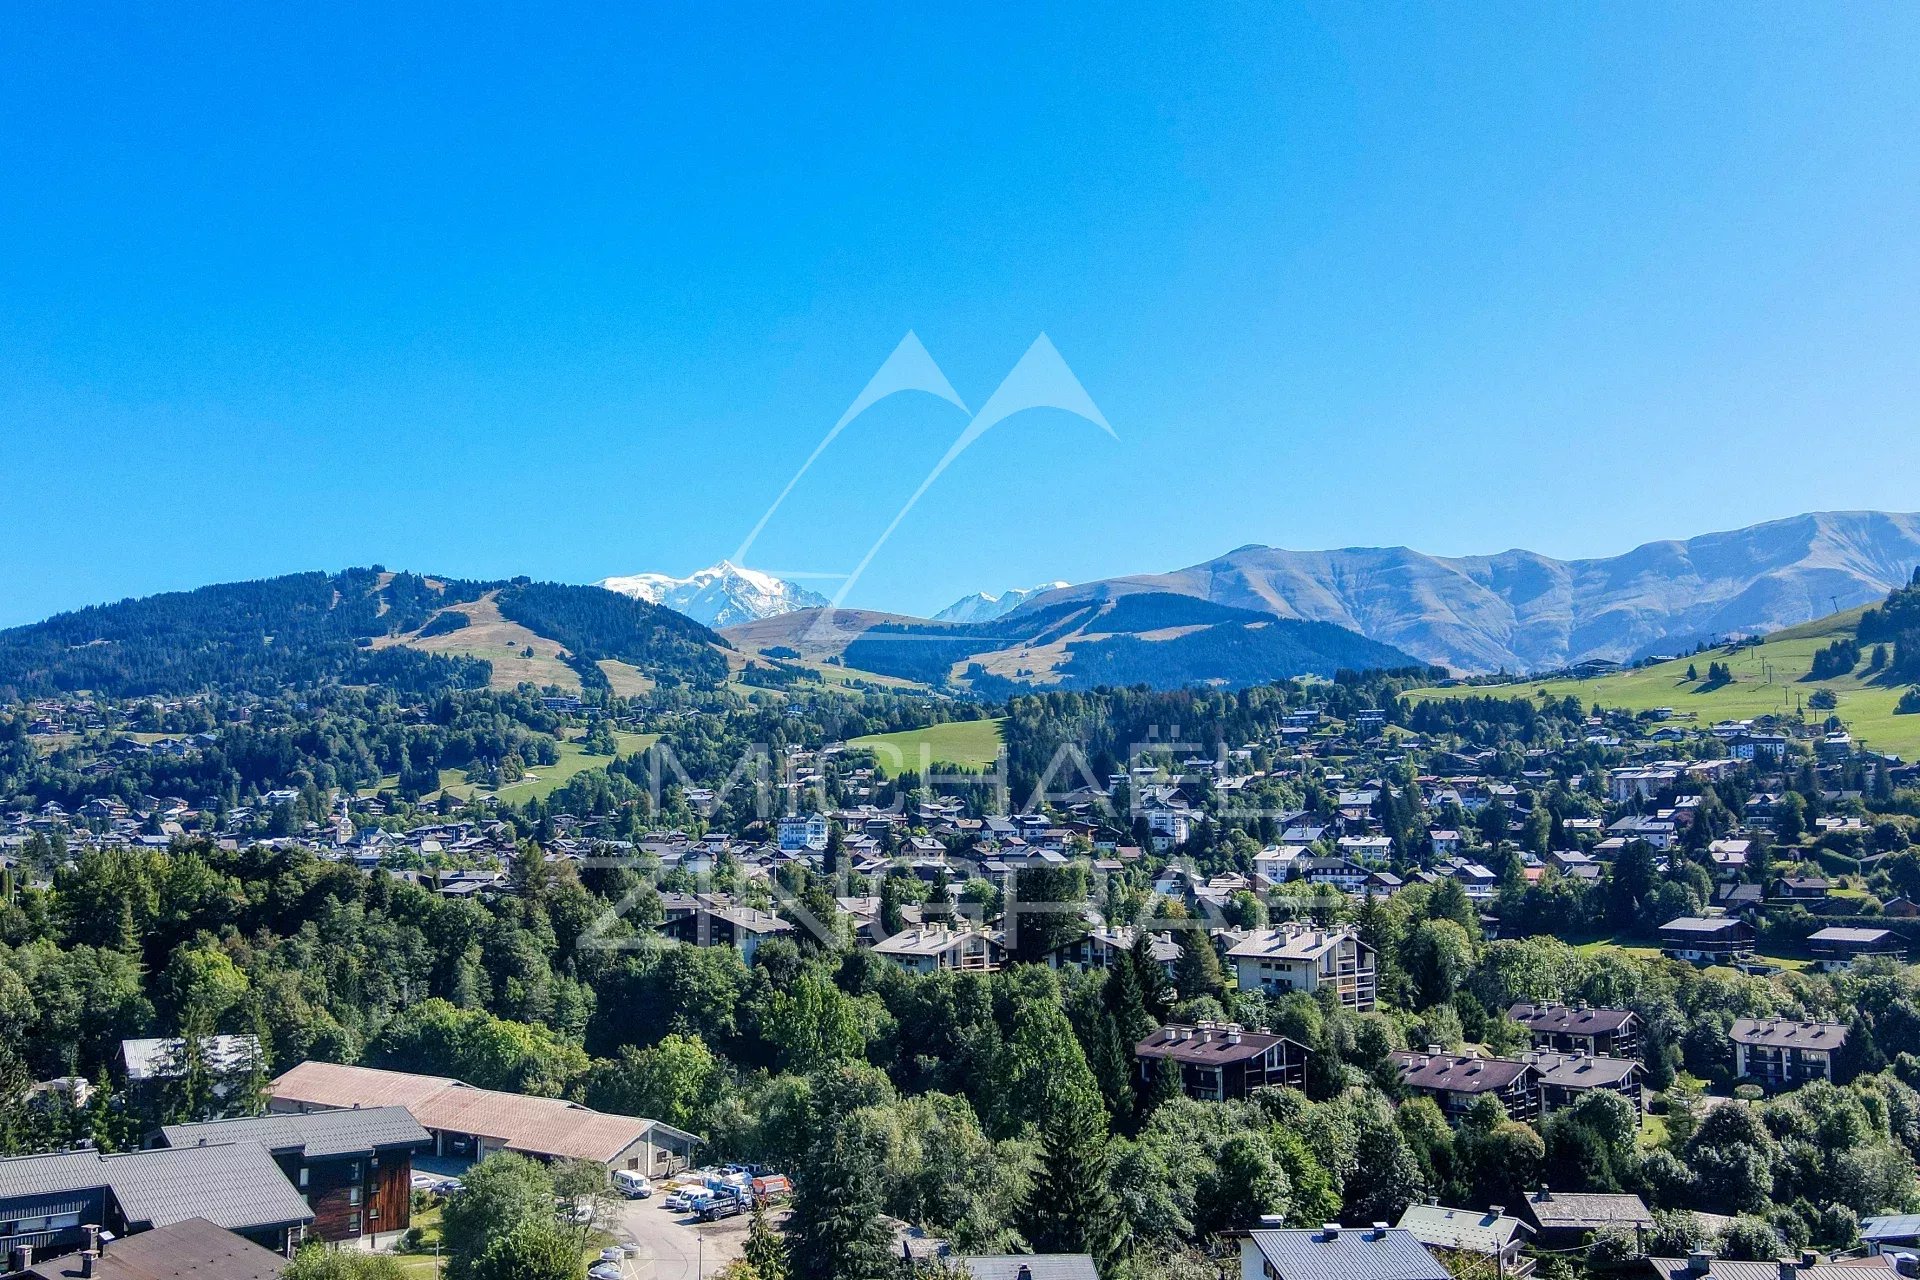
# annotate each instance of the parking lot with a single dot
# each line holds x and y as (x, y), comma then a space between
(674, 1246)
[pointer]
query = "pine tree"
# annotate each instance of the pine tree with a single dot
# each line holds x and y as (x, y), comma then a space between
(765, 1251)
(1149, 975)
(1071, 1206)
(836, 1232)
(1198, 971)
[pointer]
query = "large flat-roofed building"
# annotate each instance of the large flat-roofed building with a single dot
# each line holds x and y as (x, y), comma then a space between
(468, 1123)
(1298, 957)
(354, 1165)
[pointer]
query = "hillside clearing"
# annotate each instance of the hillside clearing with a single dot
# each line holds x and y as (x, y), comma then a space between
(1768, 679)
(489, 636)
(967, 744)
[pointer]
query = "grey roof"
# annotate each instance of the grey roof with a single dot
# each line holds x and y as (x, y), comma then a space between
(318, 1134)
(1039, 1266)
(1895, 1226)
(1587, 1211)
(1586, 1071)
(1861, 937)
(1208, 1046)
(1702, 925)
(235, 1185)
(152, 1058)
(1785, 1033)
(1472, 1230)
(1875, 1268)
(1568, 1020)
(1354, 1253)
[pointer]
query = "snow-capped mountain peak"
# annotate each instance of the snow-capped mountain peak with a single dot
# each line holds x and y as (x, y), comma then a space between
(719, 596)
(981, 607)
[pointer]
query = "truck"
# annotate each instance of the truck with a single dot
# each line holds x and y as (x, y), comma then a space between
(721, 1204)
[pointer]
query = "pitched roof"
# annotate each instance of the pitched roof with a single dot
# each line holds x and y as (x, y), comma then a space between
(235, 1185)
(192, 1247)
(1588, 1211)
(1348, 1253)
(534, 1126)
(1586, 1070)
(1295, 943)
(1784, 1033)
(1727, 1269)
(1038, 1266)
(1473, 1230)
(317, 1134)
(1207, 1045)
(1892, 1226)
(1457, 1073)
(1565, 1019)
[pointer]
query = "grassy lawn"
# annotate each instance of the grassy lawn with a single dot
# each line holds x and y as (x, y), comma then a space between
(546, 779)
(1767, 680)
(1653, 1130)
(1643, 948)
(970, 744)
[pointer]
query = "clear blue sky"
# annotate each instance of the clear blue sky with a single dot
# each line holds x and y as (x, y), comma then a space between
(565, 293)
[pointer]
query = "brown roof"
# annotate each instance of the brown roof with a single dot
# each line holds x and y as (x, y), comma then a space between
(536, 1126)
(194, 1247)
(1568, 1020)
(1456, 1073)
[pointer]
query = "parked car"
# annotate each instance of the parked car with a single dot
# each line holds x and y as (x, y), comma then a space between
(613, 1253)
(605, 1271)
(676, 1200)
(634, 1186)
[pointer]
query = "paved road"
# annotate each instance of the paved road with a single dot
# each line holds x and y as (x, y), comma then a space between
(673, 1246)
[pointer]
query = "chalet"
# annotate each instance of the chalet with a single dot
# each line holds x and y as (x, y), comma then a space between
(354, 1166)
(1706, 939)
(1221, 1062)
(714, 920)
(1562, 1219)
(466, 1123)
(1579, 1029)
(48, 1202)
(1298, 957)
(1799, 889)
(1781, 1052)
(932, 948)
(1837, 948)
(1334, 1252)
(1488, 1233)
(1456, 1081)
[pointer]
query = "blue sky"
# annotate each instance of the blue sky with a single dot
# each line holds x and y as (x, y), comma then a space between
(569, 294)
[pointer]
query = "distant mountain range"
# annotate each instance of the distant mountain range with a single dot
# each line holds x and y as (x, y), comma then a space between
(981, 607)
(721, 596)
(1163, 640)
(1522, 611)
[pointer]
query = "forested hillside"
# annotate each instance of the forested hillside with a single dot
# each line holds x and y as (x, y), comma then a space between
(307, 629)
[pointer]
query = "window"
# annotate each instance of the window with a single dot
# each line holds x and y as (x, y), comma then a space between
(303, 1177)
(353, 1172)
(353, 1224)
(353, 1195)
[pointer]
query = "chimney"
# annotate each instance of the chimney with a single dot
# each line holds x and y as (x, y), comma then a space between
(86, 1264)
(1272, 1221)
(1699, 1263)
(1329, 1231)
(1025, 1272)
(1789, 1269)
(1379, 1231)
(1497, 1210)
(1808, 1258)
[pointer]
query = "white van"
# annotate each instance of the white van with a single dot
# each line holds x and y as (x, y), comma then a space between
(632, 1185)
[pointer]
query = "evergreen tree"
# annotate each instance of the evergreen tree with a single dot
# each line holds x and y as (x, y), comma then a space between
(1198, 971)
(1149, 975)
(836, 1232)
(1071, 1206)
(765, 1251)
